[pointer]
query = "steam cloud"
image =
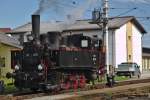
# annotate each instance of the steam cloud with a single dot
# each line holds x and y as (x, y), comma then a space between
(59, 7)
(47, 4)
(78, 12)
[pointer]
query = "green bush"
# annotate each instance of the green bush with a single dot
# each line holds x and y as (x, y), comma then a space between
(9, 86)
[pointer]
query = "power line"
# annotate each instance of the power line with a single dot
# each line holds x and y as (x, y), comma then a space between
(73, 5)
(119, 8)
(147, 3)
(147, 17)
(126, 12)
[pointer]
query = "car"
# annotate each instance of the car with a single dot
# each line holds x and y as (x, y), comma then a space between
(128, 69)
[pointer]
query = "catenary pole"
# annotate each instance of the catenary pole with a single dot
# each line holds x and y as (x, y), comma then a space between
(105, 31)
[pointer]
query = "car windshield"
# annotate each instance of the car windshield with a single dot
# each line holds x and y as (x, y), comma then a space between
(126, 64)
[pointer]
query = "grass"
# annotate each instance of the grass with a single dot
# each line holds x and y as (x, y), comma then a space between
(117, 78)
(9, 89)
(121, 78)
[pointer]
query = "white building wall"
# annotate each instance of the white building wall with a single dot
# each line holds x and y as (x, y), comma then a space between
(137, 46)
(120, 45)
(111, 39)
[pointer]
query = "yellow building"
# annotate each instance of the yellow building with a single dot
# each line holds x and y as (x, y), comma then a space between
(7, 43)
(146, 59)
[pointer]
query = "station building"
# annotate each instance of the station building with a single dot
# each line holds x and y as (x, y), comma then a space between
(125, 36)
(7, 44)
(146, 59)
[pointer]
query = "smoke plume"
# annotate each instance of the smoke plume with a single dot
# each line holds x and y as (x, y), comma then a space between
(78, 12)
(44, 5)
(70, 10)
(61, 6)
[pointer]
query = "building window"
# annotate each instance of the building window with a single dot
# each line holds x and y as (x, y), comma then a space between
(21, 39)
(149, 63)
(95, 36)
(2, 61)
(129, 57)
(129, 37)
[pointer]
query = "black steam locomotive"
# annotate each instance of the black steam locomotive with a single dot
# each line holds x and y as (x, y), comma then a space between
(52, 61)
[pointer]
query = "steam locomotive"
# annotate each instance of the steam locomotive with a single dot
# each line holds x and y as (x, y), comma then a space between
(52, 61)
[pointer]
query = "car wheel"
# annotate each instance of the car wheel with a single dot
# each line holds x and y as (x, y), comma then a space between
(139, 75)
(130, 75)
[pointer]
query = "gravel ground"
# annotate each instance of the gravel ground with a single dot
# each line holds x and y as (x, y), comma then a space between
(85, 94)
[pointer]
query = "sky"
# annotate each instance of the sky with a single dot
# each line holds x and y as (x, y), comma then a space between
(14, 13)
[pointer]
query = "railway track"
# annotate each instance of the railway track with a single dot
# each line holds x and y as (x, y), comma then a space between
(29, 95)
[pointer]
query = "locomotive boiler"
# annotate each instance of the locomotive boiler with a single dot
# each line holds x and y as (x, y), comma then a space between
(55, 61)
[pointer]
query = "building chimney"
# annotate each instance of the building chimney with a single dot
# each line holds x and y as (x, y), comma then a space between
(36, 26)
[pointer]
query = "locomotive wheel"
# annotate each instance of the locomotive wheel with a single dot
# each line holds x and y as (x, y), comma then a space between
(34, 89)
(67, 85)
(82, 81)
(20, 88)
(88, 81)
(75, 84)
(18, 85)
(131, 75)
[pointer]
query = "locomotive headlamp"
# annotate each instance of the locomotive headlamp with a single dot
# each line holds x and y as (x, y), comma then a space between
(40, 67)
(17, 67)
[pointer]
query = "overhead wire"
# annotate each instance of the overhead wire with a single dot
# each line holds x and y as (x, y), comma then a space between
(130, 10)
(118, 8)
(135, 8)
(146, 2)
(73, 5)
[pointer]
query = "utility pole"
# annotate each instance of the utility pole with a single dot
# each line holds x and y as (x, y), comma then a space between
(101, 19)
(105, 31)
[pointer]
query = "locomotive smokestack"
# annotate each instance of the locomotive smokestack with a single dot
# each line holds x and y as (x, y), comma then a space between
(36, 26)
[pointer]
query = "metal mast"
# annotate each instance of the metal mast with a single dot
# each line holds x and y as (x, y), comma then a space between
(105, 31)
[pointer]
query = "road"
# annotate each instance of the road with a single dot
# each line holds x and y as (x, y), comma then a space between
(145, 74)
